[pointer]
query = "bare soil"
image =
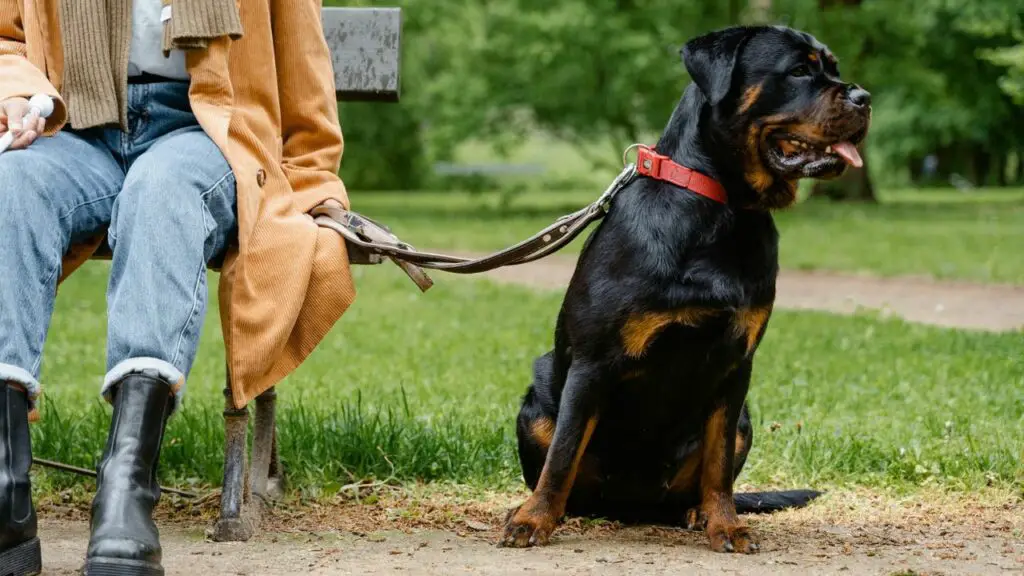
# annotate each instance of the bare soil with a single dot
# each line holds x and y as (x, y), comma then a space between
(855, 532)
(953, 304)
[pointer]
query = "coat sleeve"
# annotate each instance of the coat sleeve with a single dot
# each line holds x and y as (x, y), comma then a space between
(310, 130)
(18, 77)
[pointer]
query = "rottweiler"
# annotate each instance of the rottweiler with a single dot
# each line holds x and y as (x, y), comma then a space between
(639, 413)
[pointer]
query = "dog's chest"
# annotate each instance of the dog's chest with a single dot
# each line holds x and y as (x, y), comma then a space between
(694, 334)
(675, 365)
(719, 301)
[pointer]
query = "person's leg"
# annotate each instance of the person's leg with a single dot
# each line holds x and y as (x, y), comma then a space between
(175, 213)
(58, 191)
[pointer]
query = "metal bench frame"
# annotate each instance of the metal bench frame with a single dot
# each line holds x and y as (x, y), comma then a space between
(365, 51)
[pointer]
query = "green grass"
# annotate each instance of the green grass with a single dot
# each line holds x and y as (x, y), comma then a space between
(943, 234)
(415, 387)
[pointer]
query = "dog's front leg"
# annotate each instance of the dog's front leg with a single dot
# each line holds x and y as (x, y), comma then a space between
(724, 528)
(532, 523)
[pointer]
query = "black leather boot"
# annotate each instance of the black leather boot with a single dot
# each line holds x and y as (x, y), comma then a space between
(19, 546)
(124, 540)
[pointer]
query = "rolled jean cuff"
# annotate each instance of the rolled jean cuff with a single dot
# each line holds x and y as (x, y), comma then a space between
(24, 377)
(150, 367)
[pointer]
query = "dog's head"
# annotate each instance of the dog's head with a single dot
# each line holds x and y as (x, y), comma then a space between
(778, 100)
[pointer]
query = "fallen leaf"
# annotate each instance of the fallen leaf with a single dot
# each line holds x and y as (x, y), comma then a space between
(478, 526)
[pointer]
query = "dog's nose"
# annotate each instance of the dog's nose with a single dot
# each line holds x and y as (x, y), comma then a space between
(859, 97)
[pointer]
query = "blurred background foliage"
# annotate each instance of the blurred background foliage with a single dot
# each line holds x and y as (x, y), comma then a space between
(570, 84)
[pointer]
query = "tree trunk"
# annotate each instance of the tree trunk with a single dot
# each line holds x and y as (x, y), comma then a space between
(982, 165)
(1000, 168)
(948, 158)
(855, 184)
(915, 169)
(735, 11)
(760, 11)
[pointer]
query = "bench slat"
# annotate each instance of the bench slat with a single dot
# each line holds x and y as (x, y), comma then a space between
(365, 49)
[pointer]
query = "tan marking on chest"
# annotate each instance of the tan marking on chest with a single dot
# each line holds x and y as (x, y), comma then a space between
(641, 329)
(749, 322)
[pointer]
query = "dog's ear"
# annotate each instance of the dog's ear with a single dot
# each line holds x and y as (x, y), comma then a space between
(711, 60)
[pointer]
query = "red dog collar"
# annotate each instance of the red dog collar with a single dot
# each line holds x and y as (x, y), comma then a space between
(653, 165)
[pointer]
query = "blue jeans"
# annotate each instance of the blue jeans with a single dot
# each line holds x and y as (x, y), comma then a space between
(166, 195)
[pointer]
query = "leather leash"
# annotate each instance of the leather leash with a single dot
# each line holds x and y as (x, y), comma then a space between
(370, 242)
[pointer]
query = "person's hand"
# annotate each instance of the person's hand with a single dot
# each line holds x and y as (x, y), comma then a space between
(26, 125)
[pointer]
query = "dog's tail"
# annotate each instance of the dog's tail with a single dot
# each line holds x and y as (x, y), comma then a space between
(760, 502)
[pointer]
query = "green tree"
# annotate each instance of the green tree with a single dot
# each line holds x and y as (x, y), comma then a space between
(934, 93)
(603, 74)
(583, 71)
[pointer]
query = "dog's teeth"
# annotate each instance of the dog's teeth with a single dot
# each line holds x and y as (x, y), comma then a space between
(828, 150)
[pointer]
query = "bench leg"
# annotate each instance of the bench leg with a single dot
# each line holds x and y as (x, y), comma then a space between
(266, 466)
(275, 480)
(237, 521)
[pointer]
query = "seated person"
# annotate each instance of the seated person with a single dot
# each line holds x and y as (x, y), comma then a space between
(187, 133)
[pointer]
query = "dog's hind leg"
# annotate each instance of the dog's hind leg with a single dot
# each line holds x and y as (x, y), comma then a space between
(535, 425)
(534, 431)
(584, 391)
(744, 441)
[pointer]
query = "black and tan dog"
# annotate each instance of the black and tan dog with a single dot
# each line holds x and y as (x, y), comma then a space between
(638, 413)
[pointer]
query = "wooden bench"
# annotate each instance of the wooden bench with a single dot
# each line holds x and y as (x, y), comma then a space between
(365, 50)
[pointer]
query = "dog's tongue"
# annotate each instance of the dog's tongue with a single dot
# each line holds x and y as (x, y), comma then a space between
(849, 153)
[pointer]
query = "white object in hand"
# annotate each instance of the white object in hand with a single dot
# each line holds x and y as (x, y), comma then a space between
(41, 104)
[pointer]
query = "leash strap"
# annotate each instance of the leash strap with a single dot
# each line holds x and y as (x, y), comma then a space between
(370, 242)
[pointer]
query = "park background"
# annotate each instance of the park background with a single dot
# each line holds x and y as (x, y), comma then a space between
(514, 112)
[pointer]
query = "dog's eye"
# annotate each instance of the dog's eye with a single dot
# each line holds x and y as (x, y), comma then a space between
(800, 71)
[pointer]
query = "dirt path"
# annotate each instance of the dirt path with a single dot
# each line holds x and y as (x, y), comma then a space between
(845, 534)
(953, 304)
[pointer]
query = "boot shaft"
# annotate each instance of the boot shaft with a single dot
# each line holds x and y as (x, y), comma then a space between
(142, 405)
(17, 515)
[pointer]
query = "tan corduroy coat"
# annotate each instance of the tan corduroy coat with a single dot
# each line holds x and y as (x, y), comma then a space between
(267, 101)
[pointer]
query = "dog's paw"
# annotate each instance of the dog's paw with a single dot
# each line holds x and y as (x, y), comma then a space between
(732, 538)
(525, 527)
(696, 520)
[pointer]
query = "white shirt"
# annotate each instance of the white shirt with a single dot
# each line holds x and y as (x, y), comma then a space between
(147, 53)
